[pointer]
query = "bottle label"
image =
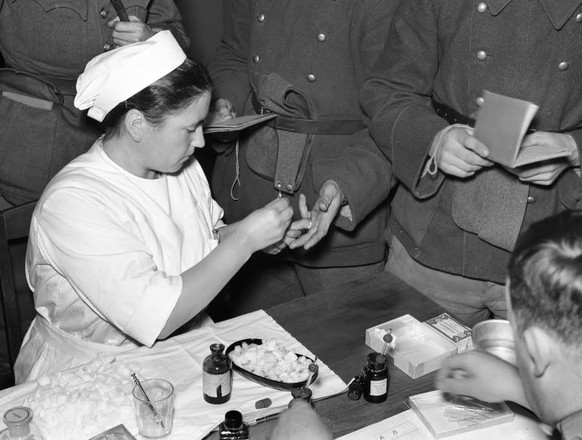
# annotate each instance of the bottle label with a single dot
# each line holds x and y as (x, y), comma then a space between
(216, 385)
(378, 387)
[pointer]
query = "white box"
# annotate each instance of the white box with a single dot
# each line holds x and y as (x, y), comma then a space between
(420, 347)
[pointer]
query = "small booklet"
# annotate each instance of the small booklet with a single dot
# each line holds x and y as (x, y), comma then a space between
(501, 125)
(215, 125)
(448, 414)
(118, 432)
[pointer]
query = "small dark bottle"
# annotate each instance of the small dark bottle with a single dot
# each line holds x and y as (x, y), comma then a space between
(356, 388)
(233, 427)
(217, 376)
(376, 378)
(302, 393)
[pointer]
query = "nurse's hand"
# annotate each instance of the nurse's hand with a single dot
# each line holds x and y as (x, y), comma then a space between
(295, 231)
(132, 31)
(266, 226)
(482, 376)
(459, 153)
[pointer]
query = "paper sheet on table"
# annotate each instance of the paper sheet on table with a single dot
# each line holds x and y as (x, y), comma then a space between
(407, 426)
(179, 360)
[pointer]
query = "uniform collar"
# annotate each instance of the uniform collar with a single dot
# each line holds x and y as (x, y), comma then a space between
(558, 11)
(571, 427)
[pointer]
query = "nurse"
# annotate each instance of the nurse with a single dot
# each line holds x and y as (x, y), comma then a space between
(126, 243)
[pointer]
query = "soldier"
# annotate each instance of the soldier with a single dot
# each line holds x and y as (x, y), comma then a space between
(304, 61)
(45, 47)
(455, 216)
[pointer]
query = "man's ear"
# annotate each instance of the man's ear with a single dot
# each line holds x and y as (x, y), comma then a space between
(540, 348)
(135, 124)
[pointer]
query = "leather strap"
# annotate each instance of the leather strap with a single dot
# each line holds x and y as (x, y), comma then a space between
(452, 116)
(317, 126)
(310, 126)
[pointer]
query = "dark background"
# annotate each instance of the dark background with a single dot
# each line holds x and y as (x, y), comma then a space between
(203, 22)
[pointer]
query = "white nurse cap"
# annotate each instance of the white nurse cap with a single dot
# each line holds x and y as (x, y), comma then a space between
(115, 76)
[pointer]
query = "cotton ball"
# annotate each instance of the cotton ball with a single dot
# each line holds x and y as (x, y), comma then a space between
(44, 381)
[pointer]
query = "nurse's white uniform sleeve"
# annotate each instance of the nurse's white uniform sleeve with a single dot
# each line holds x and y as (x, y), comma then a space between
(107, 264)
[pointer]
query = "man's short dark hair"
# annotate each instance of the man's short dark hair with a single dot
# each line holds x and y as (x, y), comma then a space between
(545, 275)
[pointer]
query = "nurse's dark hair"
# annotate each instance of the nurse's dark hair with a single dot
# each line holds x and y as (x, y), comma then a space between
(545, 278)
(170, 94)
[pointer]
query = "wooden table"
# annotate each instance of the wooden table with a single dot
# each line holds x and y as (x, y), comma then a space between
(332, 325)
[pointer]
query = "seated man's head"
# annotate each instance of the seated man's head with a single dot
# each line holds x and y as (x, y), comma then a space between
(545, 290)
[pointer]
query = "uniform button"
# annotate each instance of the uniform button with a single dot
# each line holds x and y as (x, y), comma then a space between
(321, 37)
(579, 18)
(482, 7)
(311, 77)
(256, 59)
(530, 200)
(261, 18)
(479, 101)
(106, 47)
(481, 55)
(563, 66)
(104, 13)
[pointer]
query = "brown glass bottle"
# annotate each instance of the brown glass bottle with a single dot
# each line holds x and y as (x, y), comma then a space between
(376, 378)
(217, 376)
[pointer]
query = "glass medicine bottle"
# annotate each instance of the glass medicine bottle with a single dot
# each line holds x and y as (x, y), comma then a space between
(376, 378)
(233, 427)
(19, 426)
(302, 393)
(217, 375)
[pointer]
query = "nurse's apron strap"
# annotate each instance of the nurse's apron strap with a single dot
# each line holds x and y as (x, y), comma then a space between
(73, 346)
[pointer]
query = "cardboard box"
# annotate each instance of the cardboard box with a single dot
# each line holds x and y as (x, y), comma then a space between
(420, 348)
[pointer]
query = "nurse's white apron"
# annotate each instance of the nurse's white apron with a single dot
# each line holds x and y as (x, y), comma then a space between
(47, 349)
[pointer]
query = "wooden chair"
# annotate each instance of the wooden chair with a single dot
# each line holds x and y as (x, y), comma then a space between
(14, 226)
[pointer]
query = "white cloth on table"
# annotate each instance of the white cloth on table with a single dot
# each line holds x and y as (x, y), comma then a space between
(106, 252)
(179, 360)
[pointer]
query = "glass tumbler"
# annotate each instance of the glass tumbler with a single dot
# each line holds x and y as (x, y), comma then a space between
(154, 411)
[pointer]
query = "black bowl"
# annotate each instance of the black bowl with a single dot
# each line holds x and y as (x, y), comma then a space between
(283, 386)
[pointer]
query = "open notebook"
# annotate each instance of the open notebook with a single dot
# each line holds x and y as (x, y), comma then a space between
(501, 124)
